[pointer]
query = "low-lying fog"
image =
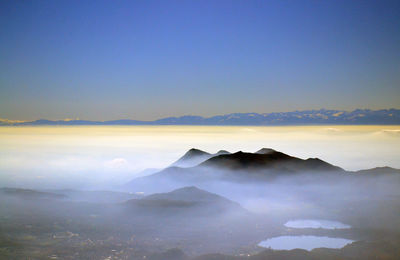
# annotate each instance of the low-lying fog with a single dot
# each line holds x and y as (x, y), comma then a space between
(236, 204)
(99, 157)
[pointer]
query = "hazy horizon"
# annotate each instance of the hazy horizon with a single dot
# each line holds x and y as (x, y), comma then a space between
(13, 120)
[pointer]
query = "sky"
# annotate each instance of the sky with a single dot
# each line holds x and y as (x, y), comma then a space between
(104, 60)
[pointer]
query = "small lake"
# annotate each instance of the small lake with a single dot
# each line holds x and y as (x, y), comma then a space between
(316, 223)
(303, 242)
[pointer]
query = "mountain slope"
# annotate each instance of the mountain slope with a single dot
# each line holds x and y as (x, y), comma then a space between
(96, 196)
(30, 194)
(186, 198)
(237, 167)
(190, 193)
(194, 157)
(191, 158)
(264, 165)
(269, 159)
(380, 171)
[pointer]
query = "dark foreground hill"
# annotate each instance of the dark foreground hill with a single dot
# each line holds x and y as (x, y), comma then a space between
(190, 194)
(184, 200)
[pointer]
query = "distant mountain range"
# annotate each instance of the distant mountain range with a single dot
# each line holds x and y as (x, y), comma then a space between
(307, 117)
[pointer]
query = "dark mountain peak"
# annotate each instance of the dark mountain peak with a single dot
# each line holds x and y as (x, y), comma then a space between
(194, 152)
(265, 151)
(243, 160)
(191, 158)
(239, 166)
(272, 160)
(315, 159)
(318, 164)
(195, 156)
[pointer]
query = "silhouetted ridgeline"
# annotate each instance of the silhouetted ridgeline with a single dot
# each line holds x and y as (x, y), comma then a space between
(308, 117)
(262, 166)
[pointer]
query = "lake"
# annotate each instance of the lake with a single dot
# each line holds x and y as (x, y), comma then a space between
(303, 242)
(308, 242)
(316, 223)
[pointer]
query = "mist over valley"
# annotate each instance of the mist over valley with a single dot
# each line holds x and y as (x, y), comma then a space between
(265, 204)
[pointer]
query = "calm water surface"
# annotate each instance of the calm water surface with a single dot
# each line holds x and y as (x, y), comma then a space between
(316, 223)
(303, 242)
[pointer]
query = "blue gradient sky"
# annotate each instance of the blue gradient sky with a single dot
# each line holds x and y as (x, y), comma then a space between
(104, 60)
